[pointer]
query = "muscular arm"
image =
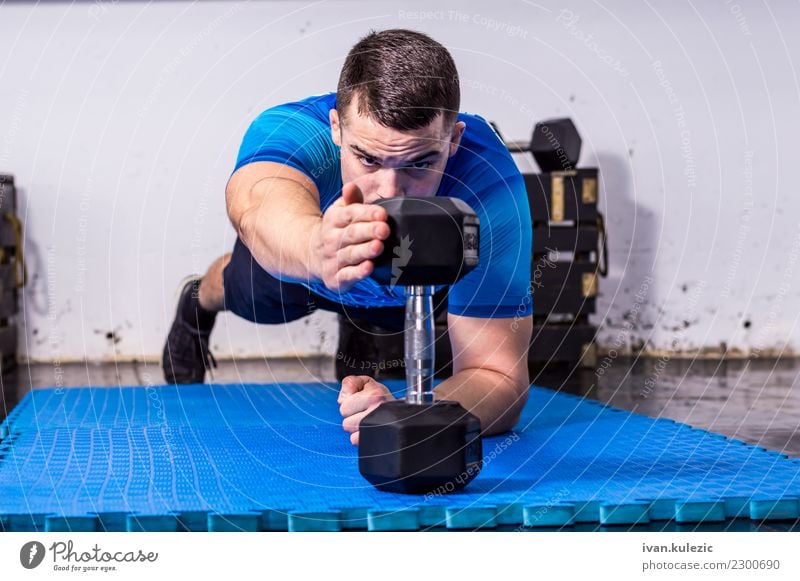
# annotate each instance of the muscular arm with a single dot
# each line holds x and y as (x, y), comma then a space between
(490, 366)
(275, 210)
(490, 375)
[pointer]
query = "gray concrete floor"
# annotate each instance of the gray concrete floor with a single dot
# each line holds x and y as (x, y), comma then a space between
(757, 401)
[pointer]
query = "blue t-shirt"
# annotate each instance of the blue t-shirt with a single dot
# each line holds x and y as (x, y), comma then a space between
(482, 173)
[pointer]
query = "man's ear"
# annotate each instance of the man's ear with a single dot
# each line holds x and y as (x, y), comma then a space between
(336, 128)
(455, 139)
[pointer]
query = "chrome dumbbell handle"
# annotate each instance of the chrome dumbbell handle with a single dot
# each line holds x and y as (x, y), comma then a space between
(419, 344)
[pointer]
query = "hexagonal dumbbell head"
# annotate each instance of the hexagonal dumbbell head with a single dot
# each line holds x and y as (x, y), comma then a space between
(556, 145)
(419, 449)
(433, 240)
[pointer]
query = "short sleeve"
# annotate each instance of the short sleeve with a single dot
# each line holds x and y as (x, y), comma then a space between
(295, 135)
(500, 286)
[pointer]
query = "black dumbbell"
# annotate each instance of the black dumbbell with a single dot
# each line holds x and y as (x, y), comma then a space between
(419, 445)
(555, 145)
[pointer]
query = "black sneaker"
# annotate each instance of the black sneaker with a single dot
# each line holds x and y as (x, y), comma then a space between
(358, 350)
(186, 355)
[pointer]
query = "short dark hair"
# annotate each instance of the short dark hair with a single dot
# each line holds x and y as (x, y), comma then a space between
(401, 78)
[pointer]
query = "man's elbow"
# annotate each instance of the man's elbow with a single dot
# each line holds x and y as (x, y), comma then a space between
(512, 404)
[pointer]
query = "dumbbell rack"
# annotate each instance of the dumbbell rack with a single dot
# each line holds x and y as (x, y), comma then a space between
(569, 254)
(11, 277)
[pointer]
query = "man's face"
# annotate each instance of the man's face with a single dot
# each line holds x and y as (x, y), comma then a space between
(388, 163)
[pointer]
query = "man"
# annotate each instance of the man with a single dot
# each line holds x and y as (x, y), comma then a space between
(300, 199)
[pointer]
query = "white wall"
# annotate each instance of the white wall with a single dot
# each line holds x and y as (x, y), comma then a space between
(121, 122)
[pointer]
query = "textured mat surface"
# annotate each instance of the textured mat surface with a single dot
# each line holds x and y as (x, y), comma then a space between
(274, 457)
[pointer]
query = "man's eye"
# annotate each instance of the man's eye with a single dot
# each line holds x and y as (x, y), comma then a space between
(368, 161)
(420, 165)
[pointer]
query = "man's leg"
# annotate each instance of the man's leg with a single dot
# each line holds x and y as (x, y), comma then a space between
(249, 291)
(212, 291)
(186, 353)
(236, 283)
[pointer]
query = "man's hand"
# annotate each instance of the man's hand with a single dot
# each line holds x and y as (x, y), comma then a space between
(350, 235)
(360, 394)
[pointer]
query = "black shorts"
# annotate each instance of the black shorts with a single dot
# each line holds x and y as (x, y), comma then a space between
(254, 294)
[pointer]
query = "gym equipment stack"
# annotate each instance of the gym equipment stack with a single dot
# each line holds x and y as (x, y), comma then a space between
(569, 246)
(12, 272)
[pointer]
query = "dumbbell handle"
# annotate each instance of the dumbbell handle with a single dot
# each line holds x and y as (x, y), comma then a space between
(419, 344)
(518, 146)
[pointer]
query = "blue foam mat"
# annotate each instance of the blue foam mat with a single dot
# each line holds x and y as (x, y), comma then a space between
(274, 457)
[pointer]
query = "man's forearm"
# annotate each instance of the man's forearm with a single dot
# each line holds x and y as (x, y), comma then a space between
(280, 230)
(491, 396)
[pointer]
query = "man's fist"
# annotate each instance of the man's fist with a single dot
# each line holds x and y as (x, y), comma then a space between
(360, 394)
(350, 236)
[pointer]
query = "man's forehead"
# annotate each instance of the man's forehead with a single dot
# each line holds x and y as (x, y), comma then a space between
(366, 127)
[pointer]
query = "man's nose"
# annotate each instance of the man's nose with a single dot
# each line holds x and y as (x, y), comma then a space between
(390, 183)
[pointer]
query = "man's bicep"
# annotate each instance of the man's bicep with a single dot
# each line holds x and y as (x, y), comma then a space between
(497, 344)
(242, 195)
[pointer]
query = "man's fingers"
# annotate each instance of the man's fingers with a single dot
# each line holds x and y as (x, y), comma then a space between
(361, 402)
(349, 275)
(345, 215)
(358, 253)
(360, 394)
(353, 384)
(359, 232)
(351, 194)
(351, 423)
